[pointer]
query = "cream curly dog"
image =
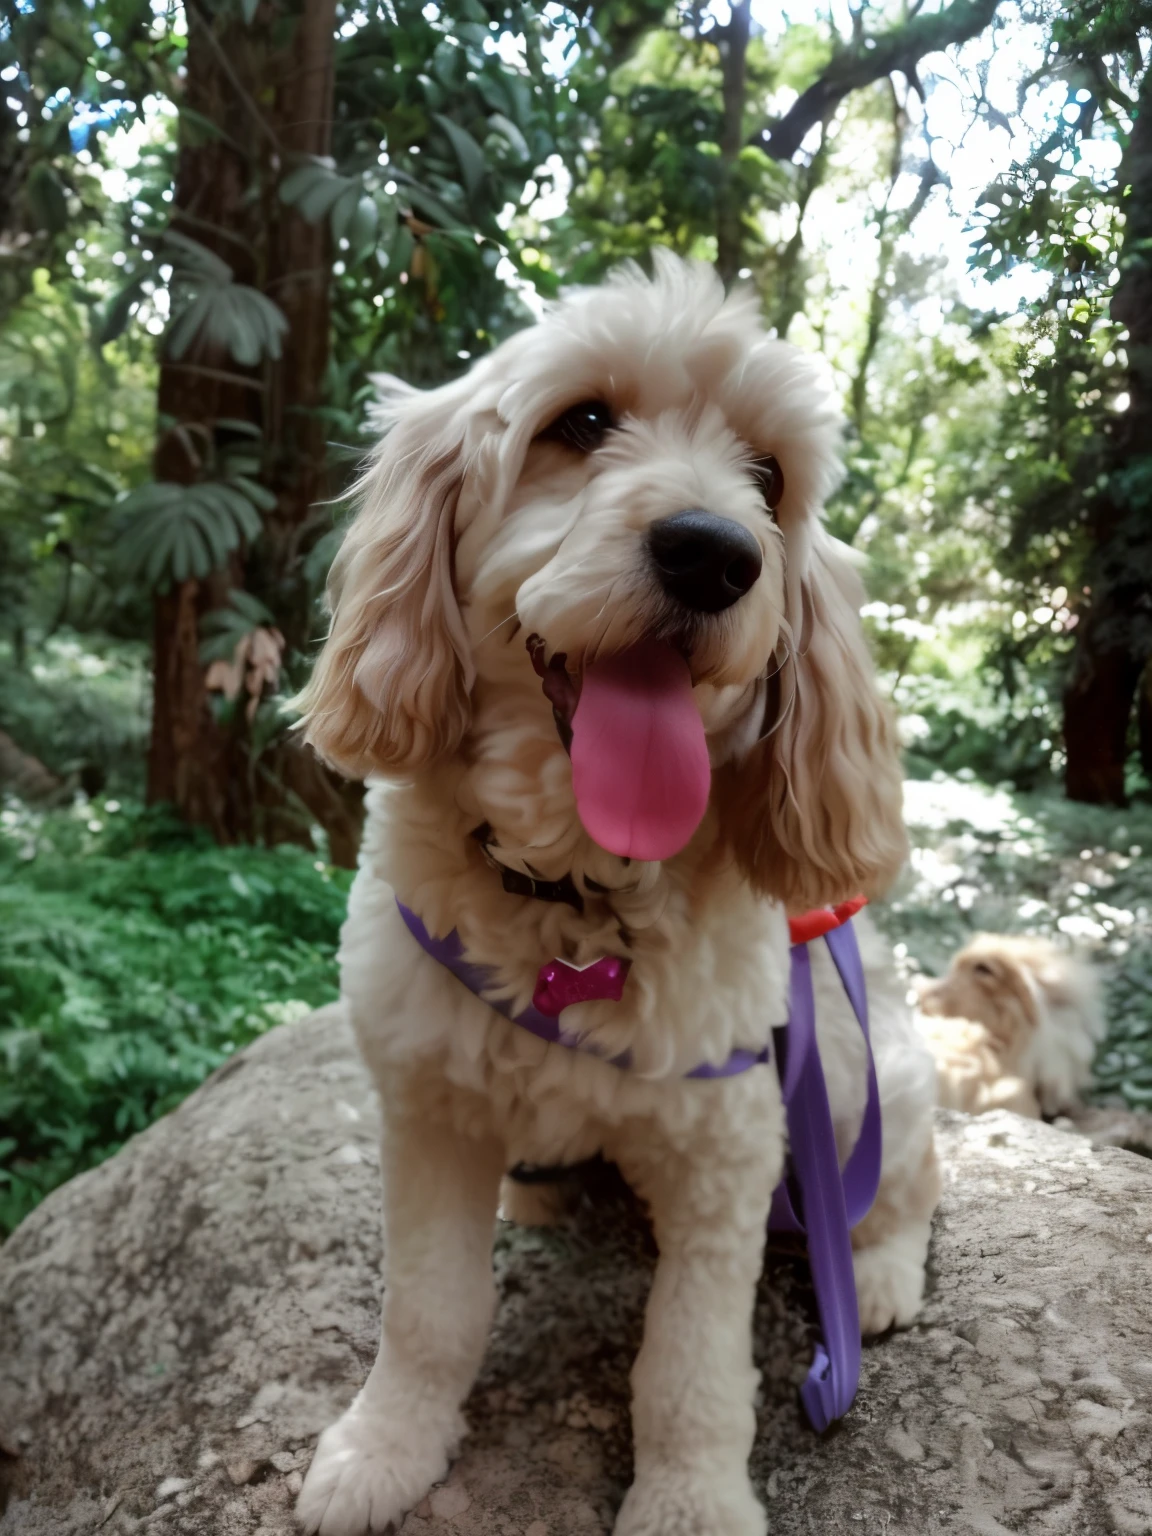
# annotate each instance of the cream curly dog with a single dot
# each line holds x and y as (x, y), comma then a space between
(1013, 1025)
(634, 486)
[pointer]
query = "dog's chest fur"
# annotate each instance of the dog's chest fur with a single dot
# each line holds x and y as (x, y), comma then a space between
(709, 960)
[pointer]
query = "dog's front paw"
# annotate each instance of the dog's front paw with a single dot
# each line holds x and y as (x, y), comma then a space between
(890, 1279)
(370, 1468)
(667, 1502)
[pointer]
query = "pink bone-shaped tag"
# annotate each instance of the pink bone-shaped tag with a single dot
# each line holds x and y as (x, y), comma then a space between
(559, 985)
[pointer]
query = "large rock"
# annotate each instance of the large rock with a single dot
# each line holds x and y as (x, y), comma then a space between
(176, 1326)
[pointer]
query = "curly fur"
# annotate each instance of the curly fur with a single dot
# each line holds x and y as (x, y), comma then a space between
(1013, 1025)
(473, 533)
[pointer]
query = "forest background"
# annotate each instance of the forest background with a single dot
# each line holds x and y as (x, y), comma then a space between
(220, 218)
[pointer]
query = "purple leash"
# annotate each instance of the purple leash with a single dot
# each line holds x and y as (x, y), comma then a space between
(814, 1198)
(830, 1203)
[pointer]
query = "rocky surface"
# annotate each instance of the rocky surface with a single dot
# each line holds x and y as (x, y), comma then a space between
(1111, 1126)
(177, 1325)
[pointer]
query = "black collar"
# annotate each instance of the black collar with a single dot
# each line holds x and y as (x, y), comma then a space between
(517, 883)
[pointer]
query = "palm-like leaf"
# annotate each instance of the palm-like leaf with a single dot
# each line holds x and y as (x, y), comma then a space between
(211, 310)
(224, 628)
(318, 192)
(175, 532)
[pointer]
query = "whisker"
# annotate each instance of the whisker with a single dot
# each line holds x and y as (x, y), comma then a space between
(593, 651)
(495, 627)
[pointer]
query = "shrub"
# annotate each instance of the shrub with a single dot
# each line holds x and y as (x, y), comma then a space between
(135, 957)
(81, 706)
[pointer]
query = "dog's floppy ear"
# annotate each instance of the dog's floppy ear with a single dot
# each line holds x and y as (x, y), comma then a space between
(814, 810)
(390, 688)
(1017, 980)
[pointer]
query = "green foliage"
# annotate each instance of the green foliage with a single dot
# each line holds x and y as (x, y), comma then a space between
(134, 959)
(66, 68)
(649, 168)
(214, 313)
(319, 192)
(963, 722)
(75, 430)
(172, 532)
(1083, 497)
(442, 136)
(229, 626)
(81, 708)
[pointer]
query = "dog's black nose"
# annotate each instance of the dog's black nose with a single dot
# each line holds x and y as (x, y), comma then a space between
(704, 561)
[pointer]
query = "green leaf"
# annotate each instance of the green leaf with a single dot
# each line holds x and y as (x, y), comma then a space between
(315, 189)
(118, 310)
(211, 521)
(188, 255)
(174, 532)
(186, 326)
(230, 315)
(224, 628)
(402, 248)
(237, 327)
(294, 183)
(259, 495)
(250, 608)
(363, 228)
(241, 463)
(192, 554)
(46, 200)
(343, 211)
(508, 130)
(468, 153)
(432, 207)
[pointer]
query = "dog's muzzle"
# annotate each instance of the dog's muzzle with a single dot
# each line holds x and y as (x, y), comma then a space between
(706, 563)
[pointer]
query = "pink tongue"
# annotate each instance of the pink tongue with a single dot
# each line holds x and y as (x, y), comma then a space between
(639, 759)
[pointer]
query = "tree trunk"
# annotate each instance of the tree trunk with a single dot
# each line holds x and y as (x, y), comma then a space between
(1114, 638)
(1144, 722)
(789, 283)
(194, 763)
(268, 103)
(733, 42)
(1097, 712)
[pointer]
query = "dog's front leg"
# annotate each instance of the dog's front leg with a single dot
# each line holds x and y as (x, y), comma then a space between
(694, 1382)
(395, 1441)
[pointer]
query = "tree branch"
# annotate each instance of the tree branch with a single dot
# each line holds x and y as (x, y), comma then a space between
(898, 50)
(732, 41)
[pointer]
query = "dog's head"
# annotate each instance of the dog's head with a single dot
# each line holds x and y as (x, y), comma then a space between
(1039, 1006)
(635, 484)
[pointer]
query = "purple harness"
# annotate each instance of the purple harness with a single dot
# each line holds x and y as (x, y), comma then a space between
(814, 1198)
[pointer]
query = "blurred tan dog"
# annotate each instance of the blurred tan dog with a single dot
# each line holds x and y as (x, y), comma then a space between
(1013, 1025)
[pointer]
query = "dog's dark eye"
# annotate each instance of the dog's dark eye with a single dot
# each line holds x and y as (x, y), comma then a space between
(582, 427)
(771, 480)
(980, 969)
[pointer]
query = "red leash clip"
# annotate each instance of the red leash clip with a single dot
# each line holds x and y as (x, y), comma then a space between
(822, 920)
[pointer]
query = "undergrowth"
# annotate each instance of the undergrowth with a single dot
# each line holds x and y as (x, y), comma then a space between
(135, 957)
(81, 706)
